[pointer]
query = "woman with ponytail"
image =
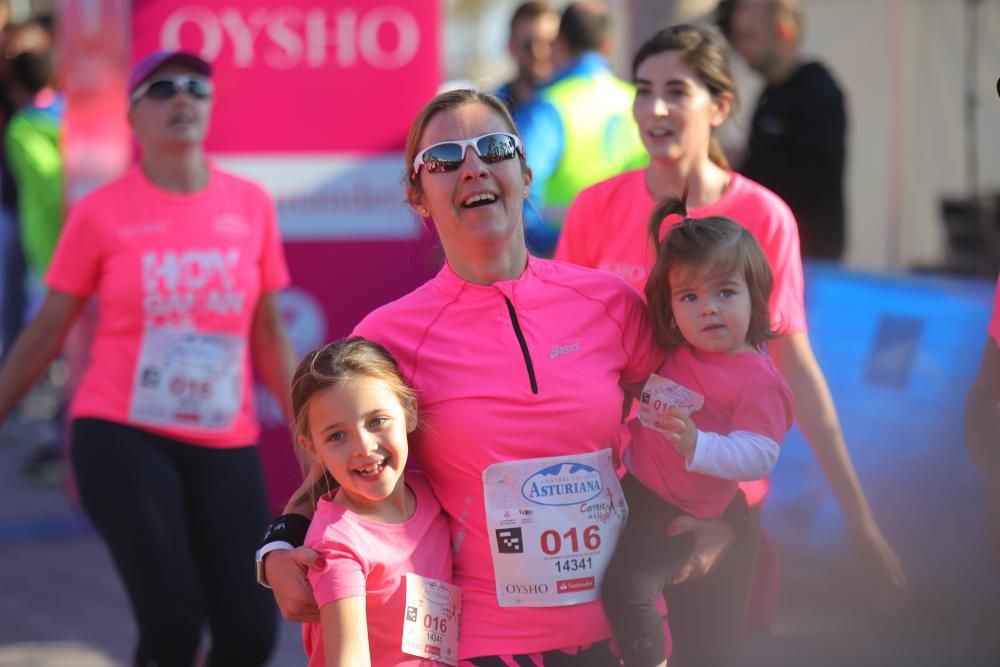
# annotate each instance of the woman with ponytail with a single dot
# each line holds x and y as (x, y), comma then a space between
(684, 92)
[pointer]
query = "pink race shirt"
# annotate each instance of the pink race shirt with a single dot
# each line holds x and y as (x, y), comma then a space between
(370, 559)
(743, 392)
(519, 369)
(994, 328)
(606, 227)
(177, 280)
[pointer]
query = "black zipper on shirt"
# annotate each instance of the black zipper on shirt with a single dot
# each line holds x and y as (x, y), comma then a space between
(524, 346)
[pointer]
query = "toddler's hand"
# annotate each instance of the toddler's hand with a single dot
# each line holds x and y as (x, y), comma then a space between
(680, 430)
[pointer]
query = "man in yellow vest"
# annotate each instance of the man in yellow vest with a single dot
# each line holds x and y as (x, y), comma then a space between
(583, 131)
(533, 28)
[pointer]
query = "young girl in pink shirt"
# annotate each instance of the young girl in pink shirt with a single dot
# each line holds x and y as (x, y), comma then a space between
(352, 415)
(712, 416)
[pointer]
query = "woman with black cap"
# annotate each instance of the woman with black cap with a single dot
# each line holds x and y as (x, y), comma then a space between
(185, 262)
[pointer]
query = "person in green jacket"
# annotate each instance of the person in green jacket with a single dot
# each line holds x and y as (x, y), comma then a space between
(32, 153)
(32, 148)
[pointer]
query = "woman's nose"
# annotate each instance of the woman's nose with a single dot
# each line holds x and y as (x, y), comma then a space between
(660, 106)
(472, 165)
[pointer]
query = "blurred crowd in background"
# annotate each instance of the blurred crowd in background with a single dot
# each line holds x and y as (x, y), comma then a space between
(922, 159)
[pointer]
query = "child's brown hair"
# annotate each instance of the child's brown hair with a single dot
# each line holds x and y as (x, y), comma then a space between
(718, 244)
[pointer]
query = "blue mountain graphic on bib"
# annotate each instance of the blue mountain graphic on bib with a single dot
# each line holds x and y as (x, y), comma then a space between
(563, 484)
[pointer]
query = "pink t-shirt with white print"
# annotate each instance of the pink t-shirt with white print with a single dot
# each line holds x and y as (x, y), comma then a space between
(177, 278)
(743, 392)
(370, 559)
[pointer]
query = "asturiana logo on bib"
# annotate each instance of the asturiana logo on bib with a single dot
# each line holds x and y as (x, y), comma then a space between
(437, 593)
(562, 484)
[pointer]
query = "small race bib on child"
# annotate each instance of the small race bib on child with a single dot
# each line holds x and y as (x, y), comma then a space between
(433, 612)
(659, 395)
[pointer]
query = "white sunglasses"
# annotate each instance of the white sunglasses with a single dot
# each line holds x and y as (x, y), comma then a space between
(448, 155)
(164, 88)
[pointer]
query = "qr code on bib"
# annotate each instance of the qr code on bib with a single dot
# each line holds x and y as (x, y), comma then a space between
(509, 541)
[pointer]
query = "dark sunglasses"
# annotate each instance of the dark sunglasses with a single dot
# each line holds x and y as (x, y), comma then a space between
(448, 155)
(197, 86)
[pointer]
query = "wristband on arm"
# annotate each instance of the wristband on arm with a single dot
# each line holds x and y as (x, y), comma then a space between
(286, 532)
(737, 514)
(291, 528)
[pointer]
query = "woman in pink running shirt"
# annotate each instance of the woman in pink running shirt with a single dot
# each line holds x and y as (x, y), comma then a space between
(519, 366)
(684, 91)
(184, 262)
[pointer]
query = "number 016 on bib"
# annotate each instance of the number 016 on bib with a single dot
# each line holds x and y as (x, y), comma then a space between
(433, 612)
(553, 524)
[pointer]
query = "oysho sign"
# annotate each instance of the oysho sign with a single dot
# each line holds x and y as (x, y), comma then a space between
(285, 37)
(305, 77)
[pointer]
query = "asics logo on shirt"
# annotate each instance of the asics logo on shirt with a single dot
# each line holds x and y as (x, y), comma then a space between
(559, 350)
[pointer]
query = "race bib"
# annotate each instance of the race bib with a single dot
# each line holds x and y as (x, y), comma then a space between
(190, 379)
(430, 627)
(553, 524)
(659, 395)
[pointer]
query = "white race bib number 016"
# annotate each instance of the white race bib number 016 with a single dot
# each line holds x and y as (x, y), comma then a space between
(433, 611)
(185, 378)
(553, 525)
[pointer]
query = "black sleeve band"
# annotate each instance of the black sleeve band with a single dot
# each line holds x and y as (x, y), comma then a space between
(737, 514)
(289, 528)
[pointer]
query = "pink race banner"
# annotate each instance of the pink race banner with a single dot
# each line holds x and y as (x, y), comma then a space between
(313, 100)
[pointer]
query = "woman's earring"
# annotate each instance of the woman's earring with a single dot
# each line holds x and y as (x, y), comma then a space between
(424, 212)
